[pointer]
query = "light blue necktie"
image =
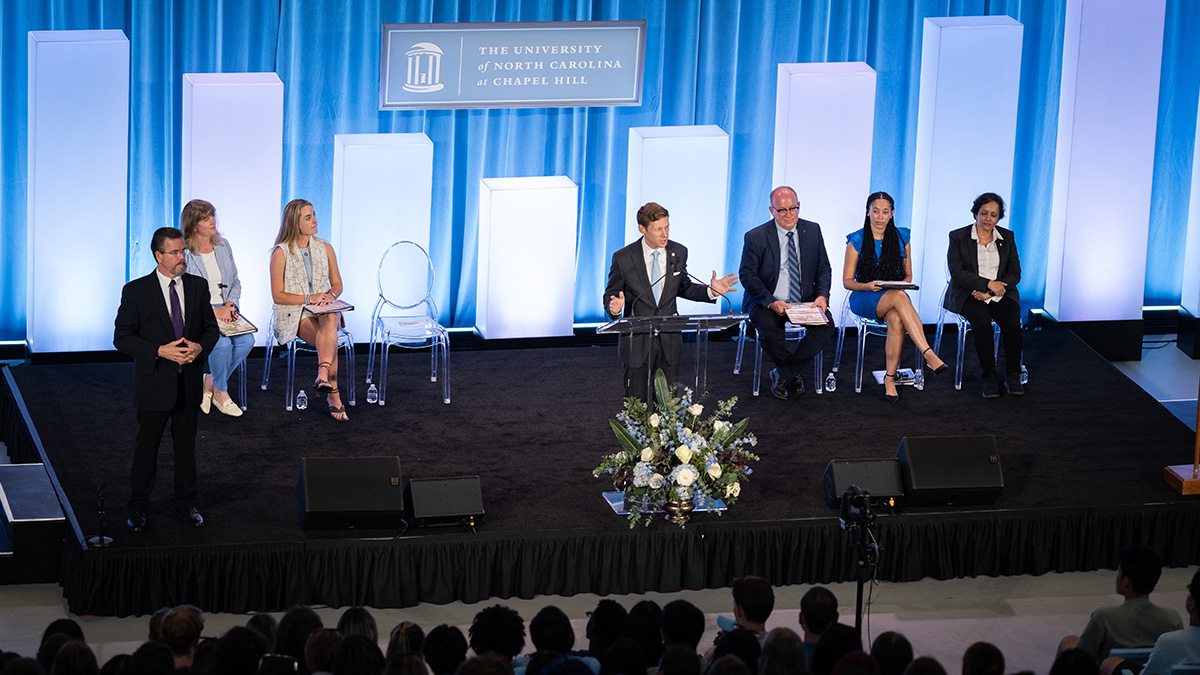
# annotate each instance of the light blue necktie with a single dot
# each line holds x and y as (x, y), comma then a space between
(793, 265)
(656, 277)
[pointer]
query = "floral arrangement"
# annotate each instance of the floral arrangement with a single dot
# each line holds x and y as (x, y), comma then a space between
(674, 454)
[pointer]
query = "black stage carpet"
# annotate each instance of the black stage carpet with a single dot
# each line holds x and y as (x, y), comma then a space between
(1082, 454)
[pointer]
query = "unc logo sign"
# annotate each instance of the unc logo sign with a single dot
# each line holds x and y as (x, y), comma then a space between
(424, 68)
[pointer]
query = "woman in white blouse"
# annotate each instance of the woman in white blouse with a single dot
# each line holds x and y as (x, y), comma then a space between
(984, 272)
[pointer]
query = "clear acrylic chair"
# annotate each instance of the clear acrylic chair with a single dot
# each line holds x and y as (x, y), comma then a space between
(792, 332)
(345, 342)
(867, 327)
(405, 315)
(964, 327)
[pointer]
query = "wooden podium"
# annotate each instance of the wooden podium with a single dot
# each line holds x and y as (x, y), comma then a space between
(1185, 478)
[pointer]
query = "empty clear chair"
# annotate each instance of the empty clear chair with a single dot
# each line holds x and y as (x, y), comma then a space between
(405, 315)
(345, 342)
(867, 327)
(964, 327)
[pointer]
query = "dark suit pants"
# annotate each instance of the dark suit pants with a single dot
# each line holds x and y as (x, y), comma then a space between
(790, 362)
(635, 376)
(151, 425)
(1007, 315)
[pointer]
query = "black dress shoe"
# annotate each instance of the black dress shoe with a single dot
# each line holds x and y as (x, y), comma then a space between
(1013, 384)
(779, 386)
(991, 386)
(193, 517)
(137, 522)
(796, 386)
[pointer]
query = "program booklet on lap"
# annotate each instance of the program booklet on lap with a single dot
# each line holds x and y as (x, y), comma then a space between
(239, 326)
(335, 306)
(805, 314)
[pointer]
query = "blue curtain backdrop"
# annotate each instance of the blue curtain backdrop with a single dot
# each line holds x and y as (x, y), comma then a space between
(708, 62)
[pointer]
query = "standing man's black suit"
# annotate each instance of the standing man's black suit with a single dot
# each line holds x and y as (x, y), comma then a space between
(164, 389)
(628, 275)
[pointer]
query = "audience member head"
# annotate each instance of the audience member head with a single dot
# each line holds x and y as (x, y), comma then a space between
(856, 663)
(75, 658)
(925, 665)
(623, 657)
(682, 624)
(23, 666)
(644, 624)
(818, 611)
(181, 629)
(550, 630)
(742, 643)
(753, 600)
(203, 657)
(1075, 662)
(1138, 571)
(154, 629)
(1192, 603)
(836, 642)
(728, 665)
(264, 624)
(358, 621)
(154, 658)
(485, 665)
(278, 664)
(497, 630)
(782, 653)
(358, 655)
(569, 666)
(319, 649)
(605, 624)
(445, 649)
(68, 627)
(406, 664)
(7, 658)
(294, 628)
(116, 665)
(541, 661)
(237, 652)
(49, 649)
(406, 638)
(679, 660)
(893, 652)
(983, 658)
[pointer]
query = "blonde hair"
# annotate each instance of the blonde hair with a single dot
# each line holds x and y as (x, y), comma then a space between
(194, 212)
(289, 225)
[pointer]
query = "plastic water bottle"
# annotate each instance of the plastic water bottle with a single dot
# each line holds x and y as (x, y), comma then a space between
(301, 401)
(372, 394)
(919, 380)
(1024, 374)
(831, 383)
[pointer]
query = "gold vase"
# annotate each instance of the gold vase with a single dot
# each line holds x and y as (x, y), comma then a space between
(678, 510)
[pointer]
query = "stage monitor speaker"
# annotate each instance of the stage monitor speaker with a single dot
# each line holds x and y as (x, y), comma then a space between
(363, 493)
(454, 500)
(950, 470)
(879, 477)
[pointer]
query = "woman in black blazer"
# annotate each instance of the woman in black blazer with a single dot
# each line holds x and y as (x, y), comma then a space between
(984, 272)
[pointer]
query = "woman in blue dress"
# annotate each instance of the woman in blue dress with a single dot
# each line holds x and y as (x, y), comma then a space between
(888, 260)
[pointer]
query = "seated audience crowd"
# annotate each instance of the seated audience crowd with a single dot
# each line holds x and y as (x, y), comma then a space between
(645, 640)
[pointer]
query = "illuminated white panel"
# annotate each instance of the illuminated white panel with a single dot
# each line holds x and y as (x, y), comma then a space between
(232, 156)
(1191, 263)
(1107, 120)
(966, 135)
(526, 279)
(824, 123)
(78, 185)
(382, 194)
(686, 169)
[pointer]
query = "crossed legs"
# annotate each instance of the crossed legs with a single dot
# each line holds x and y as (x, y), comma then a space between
(896, 310)
(322, 332)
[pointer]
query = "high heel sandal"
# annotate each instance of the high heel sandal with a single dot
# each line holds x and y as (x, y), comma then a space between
(337, 412)
(323, 385)
(890, 398)
(939, 369)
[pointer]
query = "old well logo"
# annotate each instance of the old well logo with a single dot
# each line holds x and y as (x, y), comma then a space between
(424, 68)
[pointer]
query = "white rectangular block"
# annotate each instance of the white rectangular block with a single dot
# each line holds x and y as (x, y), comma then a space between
(824, 125)
(232, 156)
(686, 170)
(78, 137)
(966, 136)
(526, 278)
(382, 194)
(1104, 160)
(1191, 253)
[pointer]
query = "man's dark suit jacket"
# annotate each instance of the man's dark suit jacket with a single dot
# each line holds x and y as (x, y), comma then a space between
(144, 323)
(759, 271)
(963, 261)
(628, 274)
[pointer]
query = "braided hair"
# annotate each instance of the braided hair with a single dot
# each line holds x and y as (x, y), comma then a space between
(890, 264)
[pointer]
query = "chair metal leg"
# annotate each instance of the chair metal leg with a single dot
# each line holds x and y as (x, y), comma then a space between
(741, 346)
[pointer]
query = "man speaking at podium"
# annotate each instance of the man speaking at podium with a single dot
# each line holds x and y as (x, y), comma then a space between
(645, 279)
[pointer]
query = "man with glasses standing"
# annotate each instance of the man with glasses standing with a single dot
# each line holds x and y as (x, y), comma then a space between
(784, 262)
(166, 324)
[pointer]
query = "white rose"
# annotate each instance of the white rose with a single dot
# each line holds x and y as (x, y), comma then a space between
(696, 409)
(733, 489)
(714, 471)
(654, 420)
(657, 481)
(687, 476)
(684, 453)
(720, 425)
(647, 454)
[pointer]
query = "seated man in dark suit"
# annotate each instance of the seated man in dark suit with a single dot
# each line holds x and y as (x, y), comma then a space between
(645, 279)
(784, 262)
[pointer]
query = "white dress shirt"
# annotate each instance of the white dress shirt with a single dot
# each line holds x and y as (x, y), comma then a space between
(989, 257)
(781, 286)
(165, 283)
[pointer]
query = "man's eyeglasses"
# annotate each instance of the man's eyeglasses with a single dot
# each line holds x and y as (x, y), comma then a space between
(790, 209)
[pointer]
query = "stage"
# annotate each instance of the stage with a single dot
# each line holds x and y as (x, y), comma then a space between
(1082, 455)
